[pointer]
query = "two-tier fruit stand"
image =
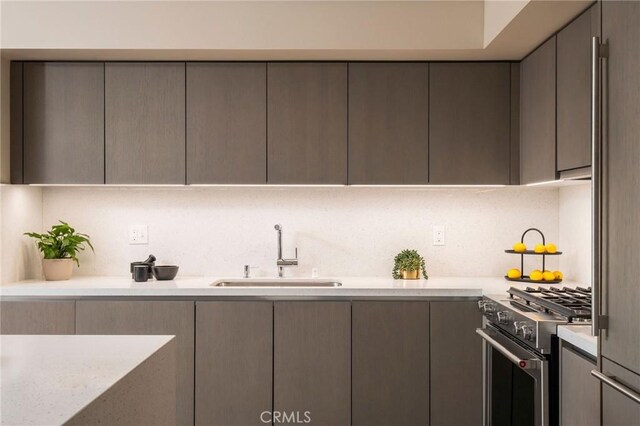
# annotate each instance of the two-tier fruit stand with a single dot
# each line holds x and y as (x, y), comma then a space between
(526, 278)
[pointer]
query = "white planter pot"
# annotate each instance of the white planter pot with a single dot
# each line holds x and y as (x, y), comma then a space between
(57, 269)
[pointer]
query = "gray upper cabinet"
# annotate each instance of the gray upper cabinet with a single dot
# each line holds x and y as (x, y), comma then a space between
(149, 317)
(15, 120)
(388, 123)
(456, 363)
(574, 92)
(226, 123)
(312, 361)
(234, 359)
(579, 390)
(307, 123)
(145, 123)
(620, 342)
(538, 114)
(390, 356)
(63, 127)
(469, 115)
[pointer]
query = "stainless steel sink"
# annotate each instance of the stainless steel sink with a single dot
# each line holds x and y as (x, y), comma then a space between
(278, 282)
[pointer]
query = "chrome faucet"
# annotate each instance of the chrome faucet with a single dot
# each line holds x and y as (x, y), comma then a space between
(283, 262)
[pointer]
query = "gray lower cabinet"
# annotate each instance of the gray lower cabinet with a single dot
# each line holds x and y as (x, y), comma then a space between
(617, 408)
(390, 363)
(388, 123)
(63, 122)
(145, 122)
(620, 342)
(149, 317)
(38, 317)
(226, 123)
(312, 362)
(579, 390)
(538, 114)
(574, 90)
(469, 123)
(234, 363)
(307, 123)
(455, 363)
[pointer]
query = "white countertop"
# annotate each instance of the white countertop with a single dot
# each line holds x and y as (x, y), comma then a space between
(580, 337)
(87, 286)
(49, 379)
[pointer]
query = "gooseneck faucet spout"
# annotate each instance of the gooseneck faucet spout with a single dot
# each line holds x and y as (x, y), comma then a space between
(280, 262)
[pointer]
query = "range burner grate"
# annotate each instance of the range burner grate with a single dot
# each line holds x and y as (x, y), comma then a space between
(574, 304)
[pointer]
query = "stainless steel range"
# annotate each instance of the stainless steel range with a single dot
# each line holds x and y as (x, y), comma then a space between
(521, 351)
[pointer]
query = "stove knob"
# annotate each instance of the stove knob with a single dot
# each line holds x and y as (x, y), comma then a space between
(503, 317)
(488, 307)
(527, 332)
(518, 326)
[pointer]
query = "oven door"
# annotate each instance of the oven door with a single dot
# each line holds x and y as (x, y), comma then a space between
(515, 381)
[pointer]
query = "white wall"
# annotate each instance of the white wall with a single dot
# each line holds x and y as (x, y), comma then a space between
(20, 211)
(575, 232)
(341, 231)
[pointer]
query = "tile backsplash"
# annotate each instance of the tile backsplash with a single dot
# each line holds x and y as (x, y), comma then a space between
(342, 231)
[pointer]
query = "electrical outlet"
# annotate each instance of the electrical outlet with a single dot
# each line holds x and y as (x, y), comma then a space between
(138, 234)
(438, 235)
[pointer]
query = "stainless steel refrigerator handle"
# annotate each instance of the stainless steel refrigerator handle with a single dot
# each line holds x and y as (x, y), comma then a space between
(525, 364)
(596, 187)
(611, 381)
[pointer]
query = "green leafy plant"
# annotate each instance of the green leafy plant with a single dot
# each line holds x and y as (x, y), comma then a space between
(408, 260)
(61, 242)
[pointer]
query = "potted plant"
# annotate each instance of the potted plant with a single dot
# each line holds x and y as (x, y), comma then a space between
(60, 247)
(408, 265)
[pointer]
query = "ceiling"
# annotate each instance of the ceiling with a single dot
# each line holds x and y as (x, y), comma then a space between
(281, 30)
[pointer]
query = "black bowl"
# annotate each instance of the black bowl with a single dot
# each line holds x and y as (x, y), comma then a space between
(165, 272)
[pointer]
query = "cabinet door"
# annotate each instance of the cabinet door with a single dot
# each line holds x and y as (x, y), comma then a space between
(226, 123)
(574, 92)
(538, 114)
(390, 363)
(456, 364)
(234, 356)
(307, 123)
(149, 317)
(617, 408)
(312, 364)
(41, 317)
(145, 123)
(63, 122)
(388, 123)
(621, 292)
(469, 114)
(579, 390)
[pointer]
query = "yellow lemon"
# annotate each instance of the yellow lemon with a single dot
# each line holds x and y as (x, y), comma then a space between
(519, 247)
(534, 271)
(536, 275)
(548, 276)
(514, 273)
(558, 275)
(551, 248)
(539, 248)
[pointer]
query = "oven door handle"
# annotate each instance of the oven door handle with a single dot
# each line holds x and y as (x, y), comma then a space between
(525, 364)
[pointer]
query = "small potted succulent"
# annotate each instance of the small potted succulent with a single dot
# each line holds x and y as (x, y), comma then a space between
(60, 247)
(408, 264)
